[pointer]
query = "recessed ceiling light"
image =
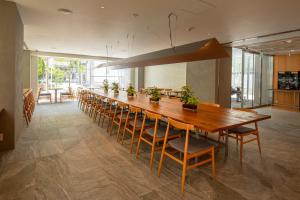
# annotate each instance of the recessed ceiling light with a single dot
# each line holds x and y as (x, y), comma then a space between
(102, 7)
(135, 14)
(65, 11)
(191, 28)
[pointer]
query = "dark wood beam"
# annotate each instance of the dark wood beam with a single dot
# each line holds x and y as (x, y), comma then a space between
(203, 50)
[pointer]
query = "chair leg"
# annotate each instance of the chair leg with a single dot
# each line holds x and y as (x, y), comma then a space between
(131, 142)
(111, 127)
(241, 149)
(162, 158)
(103, 120)
(118, 133)
(258, 142)
(108, 123)
(99, 120)
(122, 141)
(152, 154)
(138, 147)
(119, 126)
(183, 175)
(213, 162)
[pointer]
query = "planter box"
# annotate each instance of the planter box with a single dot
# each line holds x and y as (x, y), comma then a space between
(154, 100)
(190, 107)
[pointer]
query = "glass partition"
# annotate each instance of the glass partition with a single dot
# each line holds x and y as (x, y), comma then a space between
(252, 76)
(64, 73)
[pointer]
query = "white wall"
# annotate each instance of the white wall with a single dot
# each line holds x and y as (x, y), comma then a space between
(171, 76)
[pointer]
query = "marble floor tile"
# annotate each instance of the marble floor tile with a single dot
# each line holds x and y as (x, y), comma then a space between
(63, 154)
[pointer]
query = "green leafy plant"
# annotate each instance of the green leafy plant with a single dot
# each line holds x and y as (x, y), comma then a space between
(115, 87)
(105, 85)
(192, 100)
(154, 93)
(187, 96)
(130, 90)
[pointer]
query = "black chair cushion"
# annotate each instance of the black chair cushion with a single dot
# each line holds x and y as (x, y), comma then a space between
(139, 123)
(45, 94)
(195, 145)
(161, 131)
(241, 130)
(65, 93)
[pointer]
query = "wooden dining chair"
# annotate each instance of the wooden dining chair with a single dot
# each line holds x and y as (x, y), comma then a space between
(44, 94)
(133, 124)
(241, 133)
(108, 112)
(94, 105)
(119, 117)
(154, 134)
(189, 147)
(98, 108)
(67, 94)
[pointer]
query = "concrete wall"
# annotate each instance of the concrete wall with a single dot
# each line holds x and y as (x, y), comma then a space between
(26, 68)
(201, 77)
(224, 73)
(34, 74)
(139, 78)
(166, 76)
(11, 85)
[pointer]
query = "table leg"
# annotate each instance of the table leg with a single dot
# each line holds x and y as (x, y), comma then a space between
(226, 144)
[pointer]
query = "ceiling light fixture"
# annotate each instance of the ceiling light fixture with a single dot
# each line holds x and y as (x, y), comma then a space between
(289, 41)
(65, 11)
(191, 28)
(135, 15)
(102, 7)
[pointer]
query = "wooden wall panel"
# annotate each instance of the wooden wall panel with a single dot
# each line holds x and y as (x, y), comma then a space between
(285, 63)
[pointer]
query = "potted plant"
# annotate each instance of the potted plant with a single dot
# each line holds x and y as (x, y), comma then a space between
(105, 85)
(188, 99)
(130, 91)
(154, 94)
(115, 87)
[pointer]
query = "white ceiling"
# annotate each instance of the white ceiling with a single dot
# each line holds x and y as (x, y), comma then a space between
(90, 28)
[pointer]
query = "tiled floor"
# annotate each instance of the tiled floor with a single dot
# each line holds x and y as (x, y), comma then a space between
(64, 155)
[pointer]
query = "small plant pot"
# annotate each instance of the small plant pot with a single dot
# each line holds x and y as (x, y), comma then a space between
(190, 107)
(130, 95)
(154, 100)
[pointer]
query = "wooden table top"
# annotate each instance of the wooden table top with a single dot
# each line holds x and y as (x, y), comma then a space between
(206, 118)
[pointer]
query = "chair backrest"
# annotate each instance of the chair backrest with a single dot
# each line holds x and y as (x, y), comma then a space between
(210, 104)
(180, 125)
(249, 111)
(152, 115)
(135, 111)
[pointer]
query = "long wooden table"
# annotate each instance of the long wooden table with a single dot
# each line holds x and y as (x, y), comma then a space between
(207, 118)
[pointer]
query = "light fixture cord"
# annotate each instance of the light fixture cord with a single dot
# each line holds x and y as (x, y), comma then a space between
(170, 28)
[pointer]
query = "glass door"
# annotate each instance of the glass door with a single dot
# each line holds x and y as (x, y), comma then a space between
(248, 77)
(252, 76)
(236, 78)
